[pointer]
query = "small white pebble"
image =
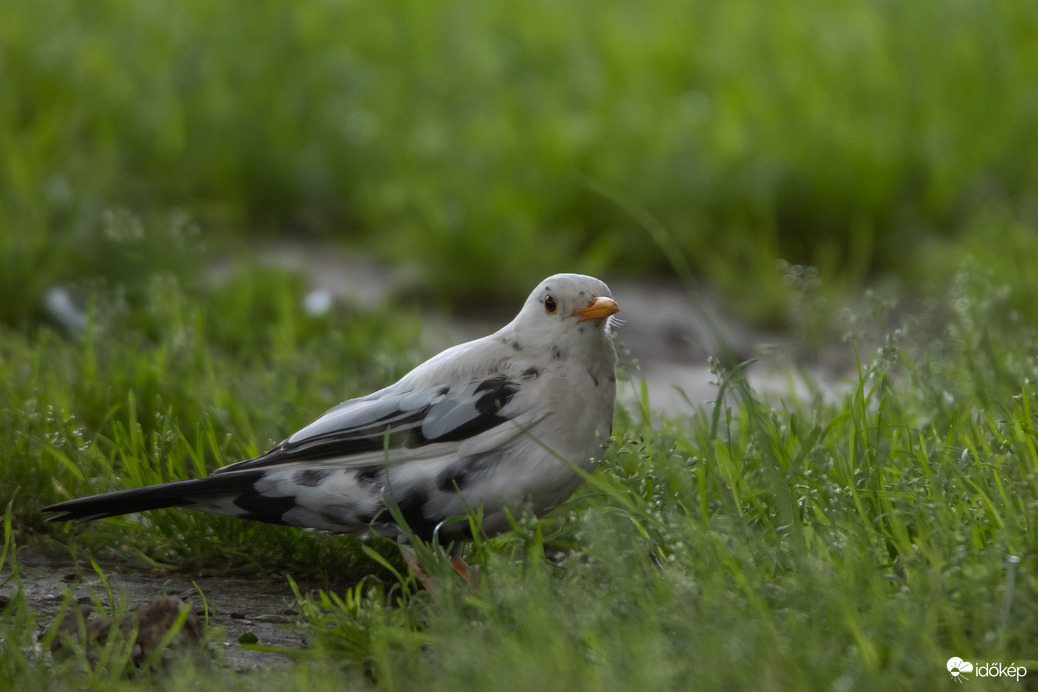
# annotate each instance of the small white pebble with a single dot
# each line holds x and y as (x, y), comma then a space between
(317, 302)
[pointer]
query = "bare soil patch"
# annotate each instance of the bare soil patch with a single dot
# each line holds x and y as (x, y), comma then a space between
(263, 608)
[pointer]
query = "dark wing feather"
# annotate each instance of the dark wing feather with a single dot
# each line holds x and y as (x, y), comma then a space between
(405, 419)
(408, 419)
(176, 494)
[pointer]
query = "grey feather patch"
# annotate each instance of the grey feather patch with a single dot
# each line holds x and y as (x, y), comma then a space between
(456, 419)
(344, 414)
(311, 478)
(341, 514)
(420, 399)
(466, 470)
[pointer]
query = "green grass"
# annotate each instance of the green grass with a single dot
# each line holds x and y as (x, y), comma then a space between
(757, 543)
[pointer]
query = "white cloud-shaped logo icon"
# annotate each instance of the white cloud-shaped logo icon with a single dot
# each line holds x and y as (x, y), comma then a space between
(956, 666)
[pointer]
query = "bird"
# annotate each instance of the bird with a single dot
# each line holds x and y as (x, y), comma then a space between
(511, 420)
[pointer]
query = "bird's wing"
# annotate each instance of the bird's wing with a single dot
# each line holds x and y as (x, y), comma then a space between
(391, 426)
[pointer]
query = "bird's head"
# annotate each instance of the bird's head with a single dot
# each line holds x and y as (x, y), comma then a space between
(564, 312)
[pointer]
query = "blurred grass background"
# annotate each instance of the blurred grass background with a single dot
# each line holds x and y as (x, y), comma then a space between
(489, 144)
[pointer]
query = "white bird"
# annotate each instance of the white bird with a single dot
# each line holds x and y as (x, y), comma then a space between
(501, 422)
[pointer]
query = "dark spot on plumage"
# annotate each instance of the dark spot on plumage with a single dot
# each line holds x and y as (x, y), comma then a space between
(311, 478)
(453, 478)
(516, 346)
(259, 507)
(412, 504)
(463, 471)
(593, 377)
(581, 329)
(612, 378)
(556, 353)
(496, 393)
(369, 475)
(531, 373)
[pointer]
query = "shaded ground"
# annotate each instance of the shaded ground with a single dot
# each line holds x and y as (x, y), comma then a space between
(261, 607)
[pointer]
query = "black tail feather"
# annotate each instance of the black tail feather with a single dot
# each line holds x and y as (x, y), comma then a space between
(175, 494)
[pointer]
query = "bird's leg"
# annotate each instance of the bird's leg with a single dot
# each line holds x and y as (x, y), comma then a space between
(416, 567)
(457, 562)
(461, 567)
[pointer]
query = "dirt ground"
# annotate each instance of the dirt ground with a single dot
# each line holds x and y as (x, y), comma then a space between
(264, 608)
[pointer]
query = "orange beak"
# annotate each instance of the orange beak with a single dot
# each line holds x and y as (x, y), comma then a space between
(599, 308)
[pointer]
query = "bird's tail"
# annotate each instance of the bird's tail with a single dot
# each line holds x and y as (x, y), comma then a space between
(228, 494)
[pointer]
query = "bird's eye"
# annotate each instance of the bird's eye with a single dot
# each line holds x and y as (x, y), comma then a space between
(550, 304)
